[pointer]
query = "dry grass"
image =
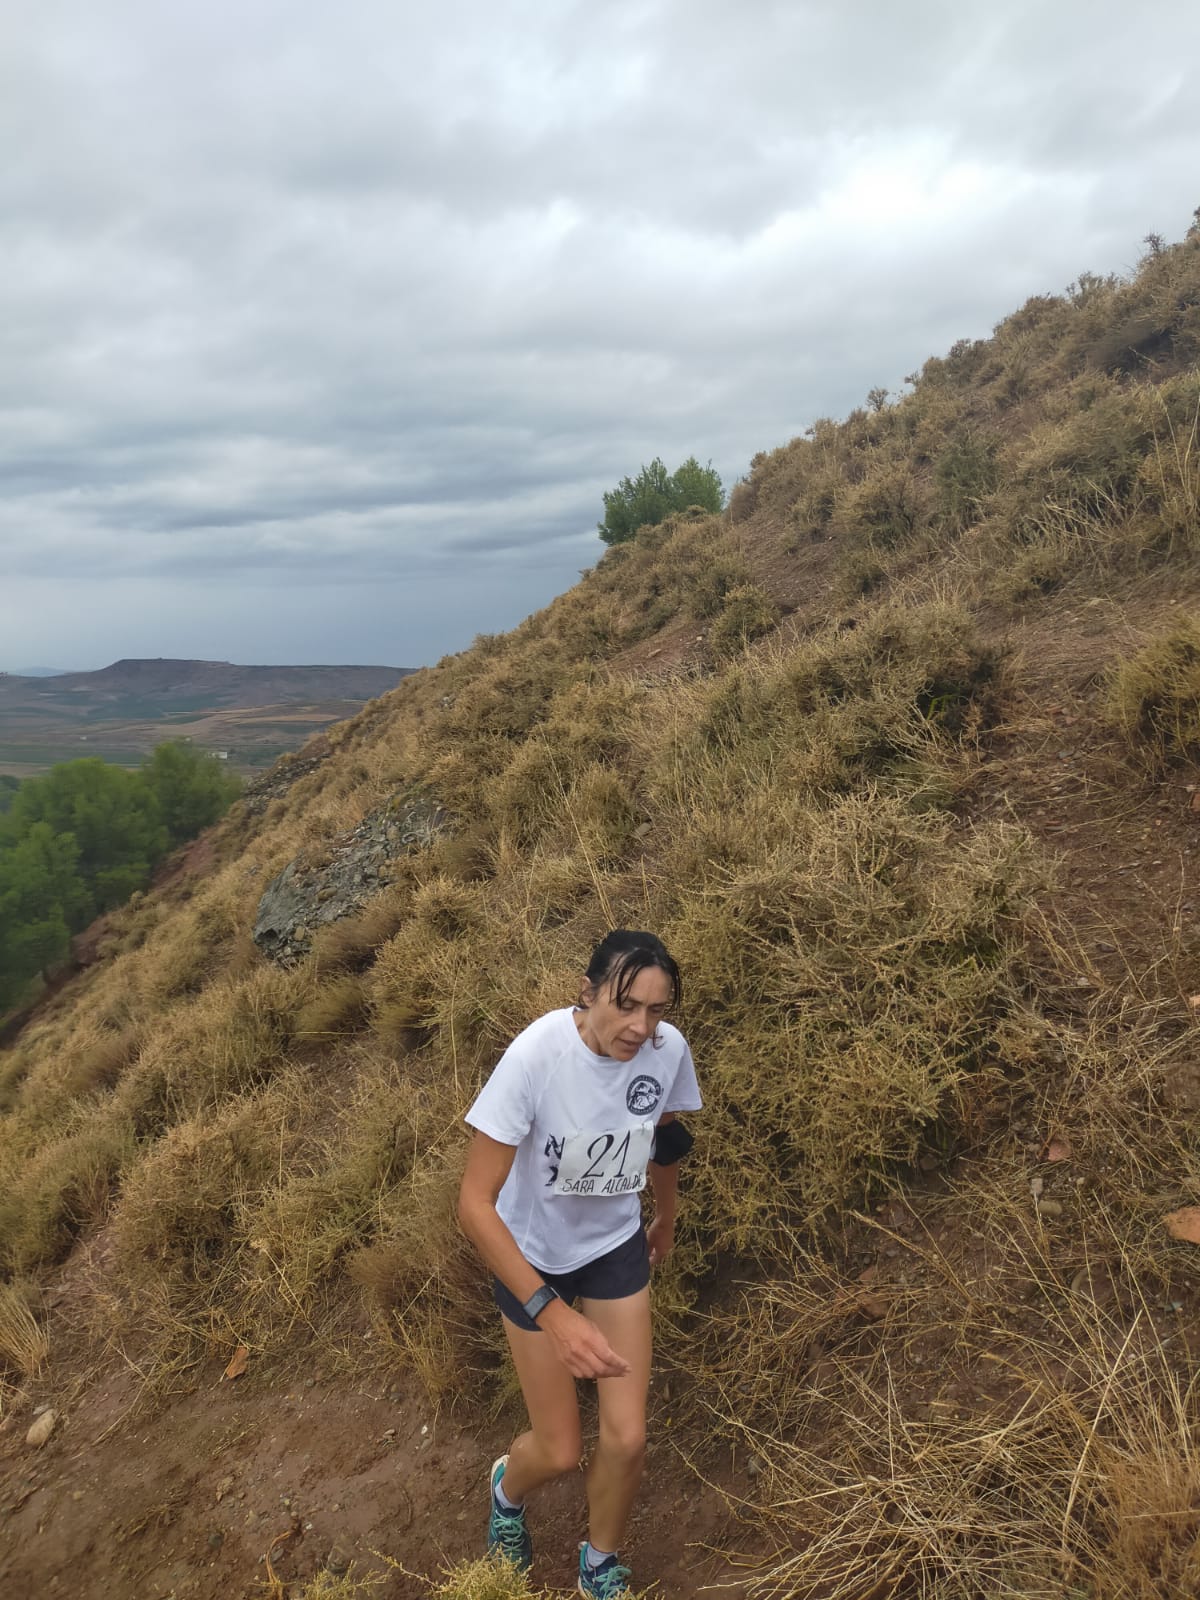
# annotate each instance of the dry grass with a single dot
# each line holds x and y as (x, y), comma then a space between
(57, 1190)
(1087, 1489)
(338, 1008)
(488, 1580)
(346, 1586)
(24, 1345)
(1010, 1405)
(876, 976)
(747, 613)
(1154, 696)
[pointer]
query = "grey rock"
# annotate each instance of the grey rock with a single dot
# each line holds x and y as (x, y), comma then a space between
(289, 769)
(336, 880)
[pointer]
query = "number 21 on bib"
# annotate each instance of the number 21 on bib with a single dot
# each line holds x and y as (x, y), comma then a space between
(605, 1163)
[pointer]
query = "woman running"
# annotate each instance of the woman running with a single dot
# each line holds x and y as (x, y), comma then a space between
(579, 1110)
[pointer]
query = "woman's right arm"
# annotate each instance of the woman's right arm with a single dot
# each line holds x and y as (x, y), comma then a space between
(578, 1343)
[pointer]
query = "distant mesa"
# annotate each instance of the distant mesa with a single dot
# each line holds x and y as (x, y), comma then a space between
(221, 683)
(252, 714)
(166, 671)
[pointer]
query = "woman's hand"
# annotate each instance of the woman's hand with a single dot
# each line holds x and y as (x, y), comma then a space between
(660, 1236)
(579, 1344)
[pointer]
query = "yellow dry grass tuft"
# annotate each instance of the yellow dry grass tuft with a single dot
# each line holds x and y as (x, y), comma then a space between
(343, 1586)
(493, 1579)
(24, 1344)
(1154, 696)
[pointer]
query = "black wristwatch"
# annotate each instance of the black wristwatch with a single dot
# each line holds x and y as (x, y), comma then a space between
(538, 1301)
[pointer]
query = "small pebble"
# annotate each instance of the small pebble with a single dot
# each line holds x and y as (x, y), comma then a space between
(1049, 1208)
(337, 1561)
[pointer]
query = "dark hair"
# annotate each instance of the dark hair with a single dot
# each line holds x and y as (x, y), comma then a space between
(622, 954)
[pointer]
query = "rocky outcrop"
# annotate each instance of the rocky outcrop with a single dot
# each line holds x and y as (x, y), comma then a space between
(339, 877)
(289, 769)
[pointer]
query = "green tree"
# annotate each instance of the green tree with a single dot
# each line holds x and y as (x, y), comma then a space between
(113, 817)
(80, 839)
(8, 789)
(41, 899)
(192, 788)
(654, 494)
(694, 485)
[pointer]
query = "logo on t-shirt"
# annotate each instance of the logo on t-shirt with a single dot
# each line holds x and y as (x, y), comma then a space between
(643, 1094)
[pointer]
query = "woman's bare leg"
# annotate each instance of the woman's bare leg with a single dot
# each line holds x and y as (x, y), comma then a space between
(616, 1467)
(552, 1444)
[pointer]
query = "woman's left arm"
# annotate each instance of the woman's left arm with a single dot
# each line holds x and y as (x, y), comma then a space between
(664, 1181)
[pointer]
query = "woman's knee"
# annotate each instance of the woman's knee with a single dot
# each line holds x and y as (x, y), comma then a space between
(561, 1450)
(624, 1440)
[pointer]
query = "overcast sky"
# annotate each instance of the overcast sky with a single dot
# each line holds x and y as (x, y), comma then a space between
(324, 328)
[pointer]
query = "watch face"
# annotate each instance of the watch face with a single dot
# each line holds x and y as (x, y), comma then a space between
(538, 1301)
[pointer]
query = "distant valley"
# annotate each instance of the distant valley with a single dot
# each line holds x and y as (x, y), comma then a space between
(250, 714)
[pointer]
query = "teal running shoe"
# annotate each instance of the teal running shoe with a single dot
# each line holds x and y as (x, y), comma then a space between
(606, 1581)
(507, 1532)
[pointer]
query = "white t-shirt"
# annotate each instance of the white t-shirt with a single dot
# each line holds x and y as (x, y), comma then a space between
(582, 1125)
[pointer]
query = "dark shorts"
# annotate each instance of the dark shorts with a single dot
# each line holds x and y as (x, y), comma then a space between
(612, 1276)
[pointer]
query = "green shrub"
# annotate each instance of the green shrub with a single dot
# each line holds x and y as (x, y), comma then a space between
(860, 573)
(747, 613)
(707, 589)
(654, 494)
(884, 509)
(965, 474)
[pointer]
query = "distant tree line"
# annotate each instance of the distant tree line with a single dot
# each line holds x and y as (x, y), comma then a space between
(79, 840)
(654, 494)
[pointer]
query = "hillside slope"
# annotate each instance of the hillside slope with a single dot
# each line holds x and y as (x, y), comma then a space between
(900, 757)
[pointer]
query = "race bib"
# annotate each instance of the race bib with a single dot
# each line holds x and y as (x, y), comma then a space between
(605, 1163)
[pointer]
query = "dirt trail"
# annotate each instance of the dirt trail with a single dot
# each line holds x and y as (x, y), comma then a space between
(189, 1502)
(1125, 844)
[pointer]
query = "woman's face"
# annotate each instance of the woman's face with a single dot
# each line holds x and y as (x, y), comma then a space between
(618, 1029)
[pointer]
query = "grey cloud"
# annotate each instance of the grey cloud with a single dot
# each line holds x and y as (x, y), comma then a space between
(403, 291)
